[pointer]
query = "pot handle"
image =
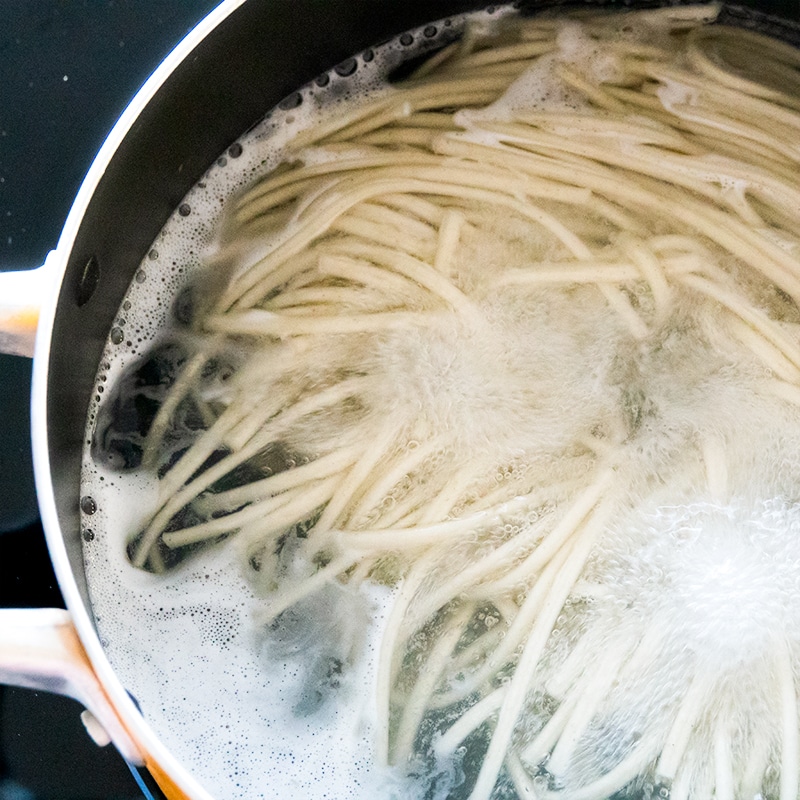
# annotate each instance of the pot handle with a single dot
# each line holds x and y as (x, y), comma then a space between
(21, 294)
(40, 649)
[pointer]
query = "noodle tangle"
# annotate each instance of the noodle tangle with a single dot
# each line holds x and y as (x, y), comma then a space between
(519, 339)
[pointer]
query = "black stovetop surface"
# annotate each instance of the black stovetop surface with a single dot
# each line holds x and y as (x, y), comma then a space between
(67, 70)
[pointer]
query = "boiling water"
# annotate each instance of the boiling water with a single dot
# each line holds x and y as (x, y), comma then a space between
(245, 717)
(693, 574)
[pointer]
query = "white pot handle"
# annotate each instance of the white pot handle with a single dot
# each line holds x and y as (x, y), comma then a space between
(40, 649)
(21, 295)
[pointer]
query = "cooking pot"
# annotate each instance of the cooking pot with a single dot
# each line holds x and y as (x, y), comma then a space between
(239, 62)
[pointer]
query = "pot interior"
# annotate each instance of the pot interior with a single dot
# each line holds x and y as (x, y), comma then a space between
(156, 171)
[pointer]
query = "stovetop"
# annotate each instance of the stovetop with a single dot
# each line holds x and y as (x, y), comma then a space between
(67, 71)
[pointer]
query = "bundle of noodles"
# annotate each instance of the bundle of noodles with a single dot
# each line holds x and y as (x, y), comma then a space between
(520, 339)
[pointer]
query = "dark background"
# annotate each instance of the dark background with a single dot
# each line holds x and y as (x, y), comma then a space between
(67, 70)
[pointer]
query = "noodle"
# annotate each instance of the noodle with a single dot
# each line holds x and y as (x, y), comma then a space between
(506, 329)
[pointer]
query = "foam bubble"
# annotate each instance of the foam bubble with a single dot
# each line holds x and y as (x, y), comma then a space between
(219, 691)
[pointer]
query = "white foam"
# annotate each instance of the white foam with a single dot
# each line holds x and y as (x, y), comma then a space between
(185, 645)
